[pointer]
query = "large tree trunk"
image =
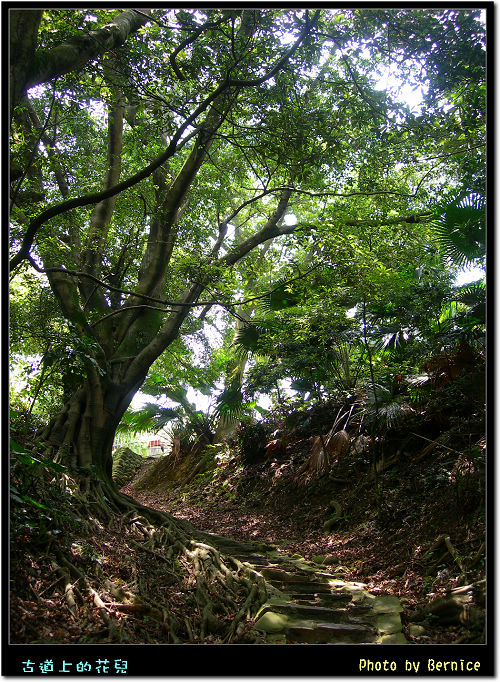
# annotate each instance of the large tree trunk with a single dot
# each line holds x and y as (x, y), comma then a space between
(81, 435)
(194, 564)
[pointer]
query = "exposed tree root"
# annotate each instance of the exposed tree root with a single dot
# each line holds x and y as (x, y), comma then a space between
(147, 576)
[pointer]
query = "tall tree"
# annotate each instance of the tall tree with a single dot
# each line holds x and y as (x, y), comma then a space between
(142, 160)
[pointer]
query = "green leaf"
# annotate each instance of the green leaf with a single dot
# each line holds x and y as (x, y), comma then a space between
(15, 447)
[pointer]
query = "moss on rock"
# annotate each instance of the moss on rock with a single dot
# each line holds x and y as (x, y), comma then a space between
(126, 462)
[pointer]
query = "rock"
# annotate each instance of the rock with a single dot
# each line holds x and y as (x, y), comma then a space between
(416, 630)
(387, 603)
(330, 560)
(272, 622)
(448, 610)
(278, 638)
(318, 559)
(330, 524)
(388, 623)
(126, 462)
(396, 638)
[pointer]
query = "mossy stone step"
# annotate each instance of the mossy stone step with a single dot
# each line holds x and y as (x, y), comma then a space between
(255, 559)
(274, 574)
(315, 631)
(395, 638)
(331, 633)
(307, 605)
(316, 613)
(325, 600)
(388, 623)
(301, 587)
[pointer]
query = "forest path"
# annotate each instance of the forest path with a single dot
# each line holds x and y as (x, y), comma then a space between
(305, 603)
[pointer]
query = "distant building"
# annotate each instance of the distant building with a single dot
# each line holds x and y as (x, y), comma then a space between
(156, 447)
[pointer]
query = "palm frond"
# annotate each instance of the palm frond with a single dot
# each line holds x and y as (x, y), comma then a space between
(395, 339)
(247, 337)
(151, 417)
(378, 394)
(230, 402)
(471, 293)
(341, 364)
(279, 298)
(394, 412)
(391, 410)
(460, 230)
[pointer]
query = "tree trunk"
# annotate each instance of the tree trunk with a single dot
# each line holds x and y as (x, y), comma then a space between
(23, 28)
(81, 435)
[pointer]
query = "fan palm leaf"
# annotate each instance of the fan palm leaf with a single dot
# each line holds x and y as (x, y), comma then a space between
(230, 406)
(460, 230)
(474, 297)
(279, 298)
(390, 411)
(247, 337)
(151, 417)
(342, 363)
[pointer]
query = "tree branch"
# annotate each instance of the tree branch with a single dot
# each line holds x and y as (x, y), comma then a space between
(410, 219)
(85, 47)
(174, 145)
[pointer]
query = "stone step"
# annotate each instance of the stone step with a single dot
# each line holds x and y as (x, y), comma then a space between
(307, 605)
(326, 600)
(273, 574)
(311, 612)
(254, 559)
(301, 587)
(314, 631)
(330, 633)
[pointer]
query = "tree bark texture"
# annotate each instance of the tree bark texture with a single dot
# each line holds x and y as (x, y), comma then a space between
(23, 30)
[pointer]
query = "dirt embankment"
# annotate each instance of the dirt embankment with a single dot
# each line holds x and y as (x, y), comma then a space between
(412, 530)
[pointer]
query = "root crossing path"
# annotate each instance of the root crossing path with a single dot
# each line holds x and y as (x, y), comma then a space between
(308, 606)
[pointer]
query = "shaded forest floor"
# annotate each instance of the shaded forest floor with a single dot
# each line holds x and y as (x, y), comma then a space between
(413, 530)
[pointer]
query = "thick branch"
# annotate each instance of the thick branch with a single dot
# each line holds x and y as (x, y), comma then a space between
(84, 47)
(103, 211)
(289, 229)
(170, 330)
(269, 231)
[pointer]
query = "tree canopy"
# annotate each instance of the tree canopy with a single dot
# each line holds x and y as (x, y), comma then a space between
(271, 209)
(258, 172)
